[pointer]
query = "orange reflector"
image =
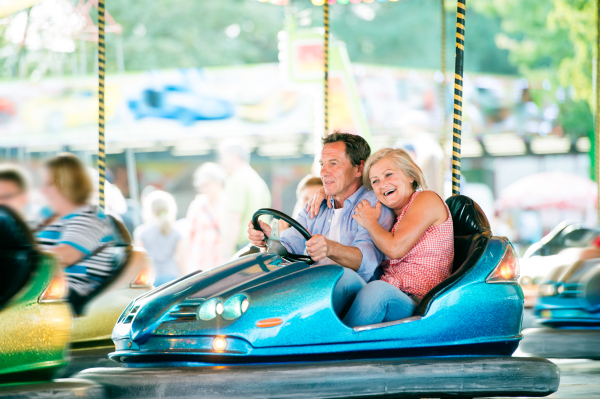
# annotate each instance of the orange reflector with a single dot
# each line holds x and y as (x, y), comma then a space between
(507, 270)
(143, 280)
(57, 290)
(268, 323)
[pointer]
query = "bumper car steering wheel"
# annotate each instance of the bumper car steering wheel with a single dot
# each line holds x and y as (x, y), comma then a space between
(273, 243)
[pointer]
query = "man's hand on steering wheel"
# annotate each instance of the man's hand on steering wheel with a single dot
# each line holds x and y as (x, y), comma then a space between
(257, 237)
(318, 247)
(262, 238)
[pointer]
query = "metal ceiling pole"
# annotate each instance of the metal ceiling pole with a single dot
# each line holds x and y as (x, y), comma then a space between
(458, 95)
(326, 66)
(101, 69)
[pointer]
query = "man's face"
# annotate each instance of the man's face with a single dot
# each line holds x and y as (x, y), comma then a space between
(229, 162)
(12, 196)
(337, 172)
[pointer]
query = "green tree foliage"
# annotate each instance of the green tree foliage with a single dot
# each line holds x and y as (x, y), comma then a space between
(408, 34)
(187, 33)
(555, 38)
(183, 33)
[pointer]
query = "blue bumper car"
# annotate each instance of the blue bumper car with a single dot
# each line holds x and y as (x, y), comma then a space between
(269, 316)
(180, 103)
(565, 235)
(568, 308)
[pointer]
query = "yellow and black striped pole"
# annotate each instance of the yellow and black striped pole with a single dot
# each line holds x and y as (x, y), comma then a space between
(326, 66)
(458, 95)
(101, 69)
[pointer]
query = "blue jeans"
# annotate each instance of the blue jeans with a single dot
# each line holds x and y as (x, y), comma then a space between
(345, 291)
(379, 302)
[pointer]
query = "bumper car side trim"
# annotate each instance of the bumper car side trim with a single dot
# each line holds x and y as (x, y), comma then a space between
(386, 324)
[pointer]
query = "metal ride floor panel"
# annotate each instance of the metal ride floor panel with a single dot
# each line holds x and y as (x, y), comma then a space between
(561, 343)
(68, 388)
(405, 377)
(579, 379)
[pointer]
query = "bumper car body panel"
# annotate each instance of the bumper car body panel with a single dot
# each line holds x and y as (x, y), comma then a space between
(472, 317)
(34, 336)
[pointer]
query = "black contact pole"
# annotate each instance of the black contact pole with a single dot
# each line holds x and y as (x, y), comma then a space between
(101, 69)
(326, 66)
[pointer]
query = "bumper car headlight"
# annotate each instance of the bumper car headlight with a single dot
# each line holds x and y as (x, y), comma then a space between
(235, 307)
(547, 290)
(210, 309)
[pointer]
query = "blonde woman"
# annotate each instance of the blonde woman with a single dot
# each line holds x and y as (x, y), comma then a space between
(420, 246)
(76, 231)
(207, 214)
(157, 235)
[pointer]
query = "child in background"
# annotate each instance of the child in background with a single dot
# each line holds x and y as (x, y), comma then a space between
(157, 235)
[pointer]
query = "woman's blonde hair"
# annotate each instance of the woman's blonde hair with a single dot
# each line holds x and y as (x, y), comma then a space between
(402, 160)
(160, 207)
(70, 177)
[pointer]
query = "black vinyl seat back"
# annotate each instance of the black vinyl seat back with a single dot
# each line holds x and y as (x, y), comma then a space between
(18, 254)
(471, 237)
(121, 252)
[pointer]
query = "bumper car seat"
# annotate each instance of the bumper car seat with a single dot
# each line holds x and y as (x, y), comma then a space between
(18, 256)
(471, 237)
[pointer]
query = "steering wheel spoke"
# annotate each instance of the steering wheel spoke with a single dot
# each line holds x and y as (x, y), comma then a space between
(277, 247)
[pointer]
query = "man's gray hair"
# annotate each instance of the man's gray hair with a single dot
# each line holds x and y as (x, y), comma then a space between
(209, 171)
(235, 147)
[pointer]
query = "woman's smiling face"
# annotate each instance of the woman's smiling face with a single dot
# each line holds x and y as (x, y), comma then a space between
(390, 184)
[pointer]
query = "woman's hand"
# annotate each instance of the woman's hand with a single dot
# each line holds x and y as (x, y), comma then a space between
(366, 215)
(314, 205)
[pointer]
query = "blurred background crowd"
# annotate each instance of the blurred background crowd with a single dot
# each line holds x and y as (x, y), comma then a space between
(214, 108)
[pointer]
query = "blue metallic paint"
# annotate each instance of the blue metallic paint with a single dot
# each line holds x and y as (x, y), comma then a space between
(470, 318)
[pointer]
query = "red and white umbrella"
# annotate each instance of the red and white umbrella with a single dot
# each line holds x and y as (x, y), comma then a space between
(558, 190)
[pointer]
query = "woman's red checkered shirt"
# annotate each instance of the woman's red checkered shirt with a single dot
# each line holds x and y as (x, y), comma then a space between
(428, 263)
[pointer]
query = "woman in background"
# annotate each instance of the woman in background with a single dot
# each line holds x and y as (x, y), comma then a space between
(206, 216)
(157, 235)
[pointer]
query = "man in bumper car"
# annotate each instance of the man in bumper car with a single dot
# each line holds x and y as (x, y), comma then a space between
(13, 188)
(336, 236)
